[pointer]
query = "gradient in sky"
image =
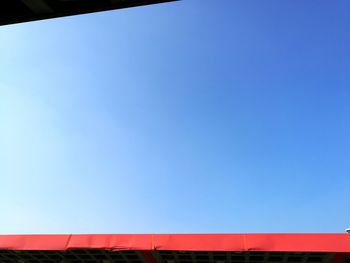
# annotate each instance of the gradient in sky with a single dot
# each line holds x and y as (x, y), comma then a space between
(195, 116)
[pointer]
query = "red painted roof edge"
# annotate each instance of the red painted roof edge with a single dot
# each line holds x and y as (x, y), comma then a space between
(189, 242)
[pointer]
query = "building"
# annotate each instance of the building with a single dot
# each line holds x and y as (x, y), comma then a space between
(176, 248)
(17, 11)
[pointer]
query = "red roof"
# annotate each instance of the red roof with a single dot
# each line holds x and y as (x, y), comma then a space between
(181, 242)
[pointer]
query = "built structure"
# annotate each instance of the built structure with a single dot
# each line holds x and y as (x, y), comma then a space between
(16, 11)
(176, 248)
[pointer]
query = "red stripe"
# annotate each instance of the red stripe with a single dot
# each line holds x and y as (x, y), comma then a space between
(191, 242)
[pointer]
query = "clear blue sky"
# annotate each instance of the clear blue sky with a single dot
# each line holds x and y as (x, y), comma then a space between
(196, 116)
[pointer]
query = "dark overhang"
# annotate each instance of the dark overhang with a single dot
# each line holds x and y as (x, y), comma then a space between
(17, 11)
(134, 256)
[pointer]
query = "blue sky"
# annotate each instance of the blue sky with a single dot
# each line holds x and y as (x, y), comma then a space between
(197, 116)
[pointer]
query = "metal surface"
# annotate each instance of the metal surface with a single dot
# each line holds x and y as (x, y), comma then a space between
(102, 256)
